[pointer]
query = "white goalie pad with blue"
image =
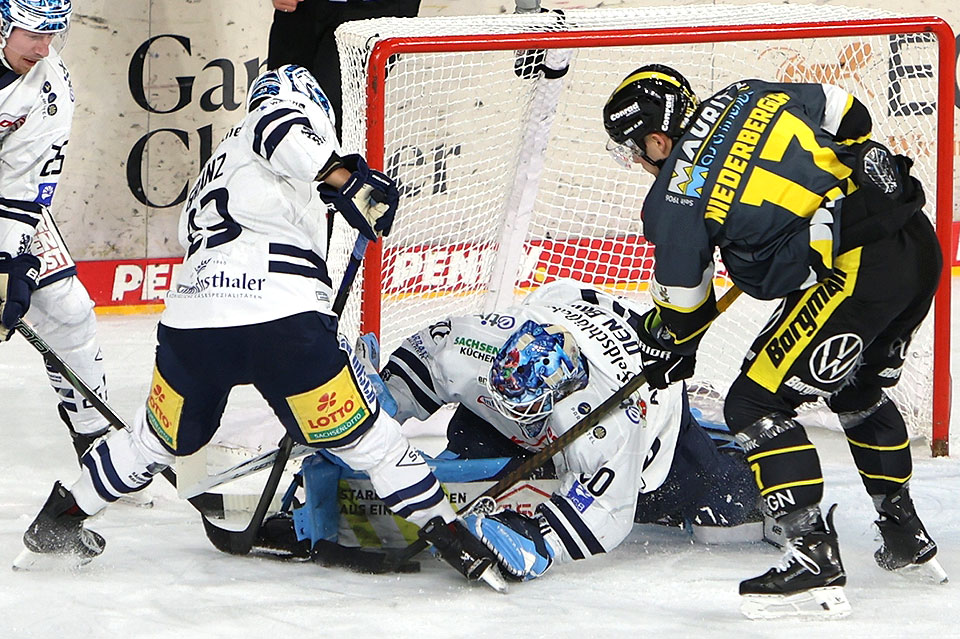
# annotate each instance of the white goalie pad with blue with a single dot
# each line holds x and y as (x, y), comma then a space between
(340, 504)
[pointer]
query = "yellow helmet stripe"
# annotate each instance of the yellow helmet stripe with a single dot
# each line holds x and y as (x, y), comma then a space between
(648, 75)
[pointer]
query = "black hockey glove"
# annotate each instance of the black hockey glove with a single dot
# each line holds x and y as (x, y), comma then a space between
(458, 547)
(368, 200)
(18, 280)
(661, 365)
(882, 174)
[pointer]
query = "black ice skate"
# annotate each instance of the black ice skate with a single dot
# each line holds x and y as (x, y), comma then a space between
(58, 534)
(459, 548)
(907, 548)
(808, 582)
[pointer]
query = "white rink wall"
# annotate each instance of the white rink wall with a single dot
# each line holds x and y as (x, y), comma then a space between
(158, 82)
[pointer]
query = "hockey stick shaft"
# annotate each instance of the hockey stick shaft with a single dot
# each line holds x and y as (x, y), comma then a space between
(243, 469)
(240, 542)
(555, 447)
(202, 501)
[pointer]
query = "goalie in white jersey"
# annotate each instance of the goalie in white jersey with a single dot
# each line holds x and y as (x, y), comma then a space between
(37, 273)
(252, 305)
(527, 374)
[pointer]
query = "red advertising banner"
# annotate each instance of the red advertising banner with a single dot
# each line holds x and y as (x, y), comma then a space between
(139, 285)
(128, 286)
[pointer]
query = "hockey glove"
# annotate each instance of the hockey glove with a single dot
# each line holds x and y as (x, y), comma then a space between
(517, 541)
(458, 547)
(367, 351)
(368, 200)
(883, 174)
(18, 280)
(661, 366)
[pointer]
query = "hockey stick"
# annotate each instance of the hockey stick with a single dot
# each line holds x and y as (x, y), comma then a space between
(555, 447)
(239, 542)
(203, 502)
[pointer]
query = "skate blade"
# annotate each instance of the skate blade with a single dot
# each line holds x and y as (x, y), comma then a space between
(927, 572)
(28, 560)
(492, 577)
(819, 603)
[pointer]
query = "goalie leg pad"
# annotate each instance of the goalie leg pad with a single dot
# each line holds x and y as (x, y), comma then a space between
(398, 472)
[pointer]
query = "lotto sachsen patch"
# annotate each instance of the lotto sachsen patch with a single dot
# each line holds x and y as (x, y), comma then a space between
(164, 406)
(331, 411)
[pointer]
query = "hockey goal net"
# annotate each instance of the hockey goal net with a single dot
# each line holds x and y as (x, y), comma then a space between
(506, 183)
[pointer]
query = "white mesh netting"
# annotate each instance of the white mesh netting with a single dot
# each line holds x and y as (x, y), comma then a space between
(505, 180)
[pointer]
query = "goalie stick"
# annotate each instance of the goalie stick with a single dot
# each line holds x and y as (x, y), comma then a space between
(203, 502)
(486, 501)
(239, 542)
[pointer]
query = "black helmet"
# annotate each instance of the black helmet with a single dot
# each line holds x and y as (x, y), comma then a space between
(652, 98)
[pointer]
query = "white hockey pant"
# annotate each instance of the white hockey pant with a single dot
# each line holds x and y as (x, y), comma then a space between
(62, 314)
(123, 462)
(398, 472)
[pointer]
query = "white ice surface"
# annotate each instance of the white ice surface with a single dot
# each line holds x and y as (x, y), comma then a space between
(160, 577)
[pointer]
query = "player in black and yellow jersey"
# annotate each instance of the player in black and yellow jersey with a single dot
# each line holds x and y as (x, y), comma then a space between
(804, 207)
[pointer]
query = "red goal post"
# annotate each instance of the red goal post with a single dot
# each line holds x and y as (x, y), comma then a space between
(506, 183)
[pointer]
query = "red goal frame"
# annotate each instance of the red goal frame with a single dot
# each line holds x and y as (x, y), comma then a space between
(382, 50)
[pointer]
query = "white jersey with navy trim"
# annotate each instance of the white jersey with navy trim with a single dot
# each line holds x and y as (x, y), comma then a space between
(253, 225)
(602, 472)
(36, 112)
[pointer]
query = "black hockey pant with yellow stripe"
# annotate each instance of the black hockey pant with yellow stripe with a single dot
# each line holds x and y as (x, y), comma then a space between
(844, 340)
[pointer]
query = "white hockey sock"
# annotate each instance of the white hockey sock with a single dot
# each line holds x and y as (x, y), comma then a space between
(119, 464)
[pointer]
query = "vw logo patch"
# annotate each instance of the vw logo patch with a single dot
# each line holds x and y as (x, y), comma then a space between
(836, 357)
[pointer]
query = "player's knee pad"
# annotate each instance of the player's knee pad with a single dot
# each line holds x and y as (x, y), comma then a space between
(747, 403)
(116, 466)
(62, 314)
(785, 464)
(398, 472)
(63, 305)
(765, 429)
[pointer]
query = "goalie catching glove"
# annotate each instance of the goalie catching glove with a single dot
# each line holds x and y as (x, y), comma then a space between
(520, 543)
(18, 280)
(662, 366)
(368, 199)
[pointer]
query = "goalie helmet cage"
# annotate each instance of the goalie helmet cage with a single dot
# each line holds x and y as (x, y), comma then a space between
(492, 127)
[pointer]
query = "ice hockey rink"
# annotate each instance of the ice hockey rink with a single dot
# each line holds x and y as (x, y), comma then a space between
(160, 577)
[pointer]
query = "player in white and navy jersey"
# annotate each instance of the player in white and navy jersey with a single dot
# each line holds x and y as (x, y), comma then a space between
(37, 273)
(252, 305)
(525, 375)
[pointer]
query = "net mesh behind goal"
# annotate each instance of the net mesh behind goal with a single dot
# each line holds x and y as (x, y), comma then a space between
(505, 181)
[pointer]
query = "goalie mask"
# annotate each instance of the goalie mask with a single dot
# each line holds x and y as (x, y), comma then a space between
(293, 84)
(538, 366)
(654, 98)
